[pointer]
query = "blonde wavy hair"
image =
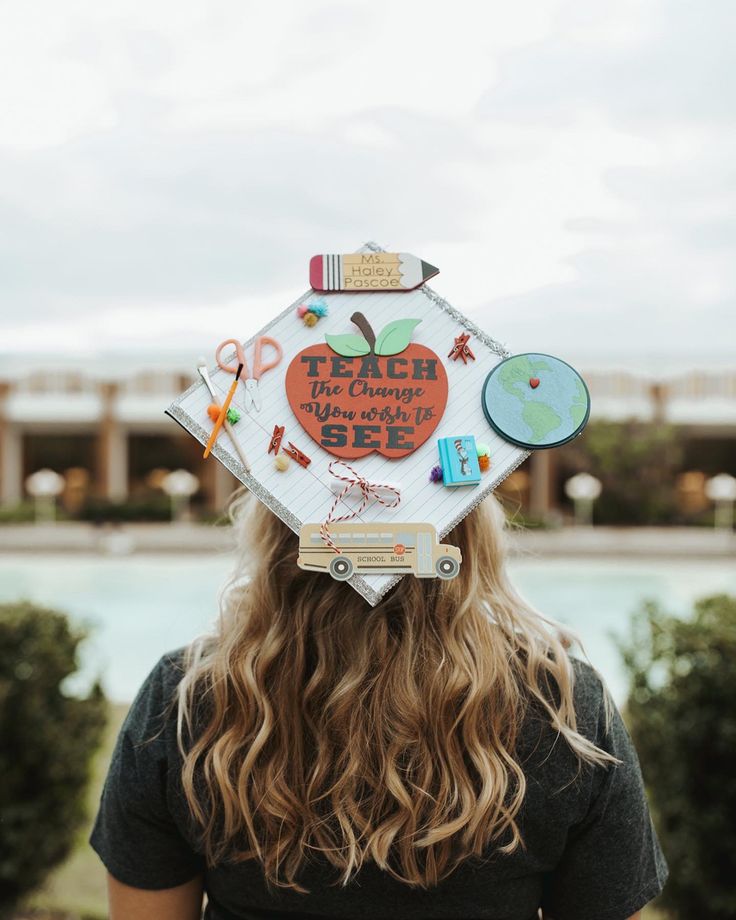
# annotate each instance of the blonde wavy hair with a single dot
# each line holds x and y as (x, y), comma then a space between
(313, 724)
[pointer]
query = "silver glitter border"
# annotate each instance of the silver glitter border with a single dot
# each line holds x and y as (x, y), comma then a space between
(233, 464)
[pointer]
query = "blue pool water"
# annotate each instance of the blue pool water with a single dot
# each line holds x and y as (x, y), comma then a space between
(139, 607)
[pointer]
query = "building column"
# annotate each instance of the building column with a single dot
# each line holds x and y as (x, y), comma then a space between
(540, 491)
(11, 463)
(113, 449)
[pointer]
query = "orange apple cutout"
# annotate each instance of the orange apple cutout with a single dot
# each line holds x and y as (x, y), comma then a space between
(362, 393)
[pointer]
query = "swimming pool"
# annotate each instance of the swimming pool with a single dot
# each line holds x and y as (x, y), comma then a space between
(141, 606)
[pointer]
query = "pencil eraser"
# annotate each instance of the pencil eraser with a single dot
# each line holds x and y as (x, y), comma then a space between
(315, 273)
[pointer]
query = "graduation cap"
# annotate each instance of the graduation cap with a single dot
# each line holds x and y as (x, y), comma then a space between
(369, 433)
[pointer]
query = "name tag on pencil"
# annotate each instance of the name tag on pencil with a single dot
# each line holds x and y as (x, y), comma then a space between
(369, 271)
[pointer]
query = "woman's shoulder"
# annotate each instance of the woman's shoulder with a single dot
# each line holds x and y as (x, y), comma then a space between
(540, 740)
(154, 708)
(590, 697)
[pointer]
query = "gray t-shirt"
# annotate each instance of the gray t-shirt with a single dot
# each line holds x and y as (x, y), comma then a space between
(590, 850)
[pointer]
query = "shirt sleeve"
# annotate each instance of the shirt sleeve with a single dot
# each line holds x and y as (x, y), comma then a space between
(612, 864)
(135, 834)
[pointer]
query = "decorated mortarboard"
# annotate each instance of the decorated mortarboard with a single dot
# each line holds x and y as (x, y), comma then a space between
(373, 418)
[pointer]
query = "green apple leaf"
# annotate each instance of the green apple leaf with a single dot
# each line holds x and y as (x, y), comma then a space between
(395, 336)
(349, 346)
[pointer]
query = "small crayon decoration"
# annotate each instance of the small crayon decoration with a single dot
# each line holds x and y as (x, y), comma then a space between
(461, 349)
(369, 271)
(278, 433)
(223, 413)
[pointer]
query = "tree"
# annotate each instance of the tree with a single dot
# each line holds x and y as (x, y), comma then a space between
(47, 740)
(637, 463)
(682, 716)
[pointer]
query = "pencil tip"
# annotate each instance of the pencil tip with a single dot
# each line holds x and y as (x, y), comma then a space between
(240, 371)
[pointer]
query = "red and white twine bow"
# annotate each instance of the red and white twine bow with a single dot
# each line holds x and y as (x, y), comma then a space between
(369, 490)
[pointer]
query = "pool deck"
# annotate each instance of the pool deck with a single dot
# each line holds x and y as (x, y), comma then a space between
(621, 542)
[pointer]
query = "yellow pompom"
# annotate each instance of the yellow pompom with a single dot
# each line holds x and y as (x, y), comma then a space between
(311, 319)
(281, 462)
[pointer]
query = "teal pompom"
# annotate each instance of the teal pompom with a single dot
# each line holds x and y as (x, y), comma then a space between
(319, 308)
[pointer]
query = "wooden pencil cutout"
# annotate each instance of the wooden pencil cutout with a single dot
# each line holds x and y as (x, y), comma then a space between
(369, 271)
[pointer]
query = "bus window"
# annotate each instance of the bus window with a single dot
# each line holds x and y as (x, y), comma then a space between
(406, 539)
(316, 538)
(358, 538)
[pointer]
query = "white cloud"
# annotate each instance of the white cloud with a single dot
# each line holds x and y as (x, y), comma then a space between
(167, 167)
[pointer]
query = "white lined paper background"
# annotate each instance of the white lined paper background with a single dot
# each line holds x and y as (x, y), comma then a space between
(301, 495)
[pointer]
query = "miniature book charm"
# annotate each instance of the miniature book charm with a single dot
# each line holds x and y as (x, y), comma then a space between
(459, 461)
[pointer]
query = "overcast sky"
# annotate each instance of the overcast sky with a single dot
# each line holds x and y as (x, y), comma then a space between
(168, 168)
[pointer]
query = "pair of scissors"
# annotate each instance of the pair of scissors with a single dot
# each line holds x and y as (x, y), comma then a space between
(252, 396)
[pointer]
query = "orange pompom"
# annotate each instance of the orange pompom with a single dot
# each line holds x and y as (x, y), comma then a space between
(213, 411)
(484, 462)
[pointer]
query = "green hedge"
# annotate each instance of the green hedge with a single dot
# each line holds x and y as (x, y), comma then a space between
(47, 740)
(682, 715)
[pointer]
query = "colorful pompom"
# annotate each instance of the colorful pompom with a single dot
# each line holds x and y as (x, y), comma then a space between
(311, 312)
(483, 450)
(484, 462)
(436, 474)
(213, 411)
(281, 462)
(319, 308)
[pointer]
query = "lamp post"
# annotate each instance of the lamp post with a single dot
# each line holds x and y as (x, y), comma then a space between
(180, 486)
(44, 485)
(721, 490)
(583, 489)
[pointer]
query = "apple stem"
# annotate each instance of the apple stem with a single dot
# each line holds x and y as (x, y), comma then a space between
(365, 327)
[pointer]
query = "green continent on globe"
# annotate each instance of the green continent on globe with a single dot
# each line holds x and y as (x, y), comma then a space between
(541, 418)
(579, 404)
(518, 371)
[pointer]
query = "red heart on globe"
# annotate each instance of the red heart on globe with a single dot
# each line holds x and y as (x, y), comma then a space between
(534, 382)
(358, 394)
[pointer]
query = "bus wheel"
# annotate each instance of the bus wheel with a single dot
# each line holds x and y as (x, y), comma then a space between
(447, 567)
(341, 568)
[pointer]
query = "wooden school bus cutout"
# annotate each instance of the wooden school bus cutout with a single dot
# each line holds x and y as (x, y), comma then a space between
(377, 549)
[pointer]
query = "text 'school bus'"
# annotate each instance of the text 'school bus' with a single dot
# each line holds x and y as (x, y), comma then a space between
(378, 549)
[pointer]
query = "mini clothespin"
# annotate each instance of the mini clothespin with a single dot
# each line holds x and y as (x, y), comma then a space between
(297, 455)
(461, 349)
(278, 433)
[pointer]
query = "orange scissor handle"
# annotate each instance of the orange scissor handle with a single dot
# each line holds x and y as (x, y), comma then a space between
(239, 353)
(258, 366)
